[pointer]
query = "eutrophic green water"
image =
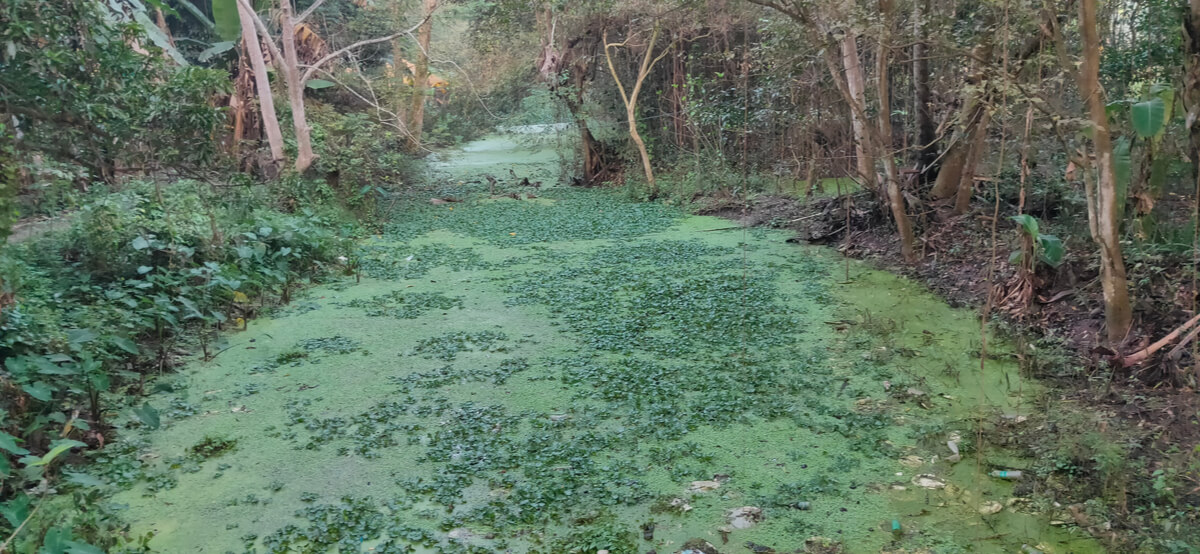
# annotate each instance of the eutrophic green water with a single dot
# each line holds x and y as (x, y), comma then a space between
(574, 373)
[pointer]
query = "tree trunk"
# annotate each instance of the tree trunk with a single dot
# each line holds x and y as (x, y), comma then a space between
(927, 151)
(266, 102)
(976, 142)
(631, 116)
(295, 88)
(891, 173)
(416, 123)
(161, 21)
(1117, 311)
(856, 83)
(958, 164)
(631, 99)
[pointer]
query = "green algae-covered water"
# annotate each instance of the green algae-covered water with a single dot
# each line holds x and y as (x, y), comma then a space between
(575, 373)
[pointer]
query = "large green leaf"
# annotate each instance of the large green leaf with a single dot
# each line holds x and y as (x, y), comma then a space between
(319, 83)
(57, 448)
(1028, 223)
(1148, 117)
(39, 390)
(1051, 250)
(215, 49)
(227, 20)
(9, 443)
(125, 344)
(84, 479)
(16, 510)
(148, 415)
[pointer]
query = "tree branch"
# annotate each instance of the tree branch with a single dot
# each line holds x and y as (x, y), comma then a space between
(613, 69)
(1143, 354)
(199, 15)
(793, 12)
(309, 11)
(262, 30)
(316, 65)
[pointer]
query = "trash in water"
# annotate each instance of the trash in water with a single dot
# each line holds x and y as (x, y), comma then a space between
(928, 481)
(698, 546)
(1014, 475)
(989, 508)
(953, 446)
(704, 486)
(744, 517)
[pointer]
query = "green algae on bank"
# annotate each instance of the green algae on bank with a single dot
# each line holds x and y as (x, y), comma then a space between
(562, 375)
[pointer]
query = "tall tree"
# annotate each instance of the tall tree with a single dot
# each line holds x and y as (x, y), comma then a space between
(421, 75)
(266, 101)
(1118, 313)
(630, 98)
(927, 149)
(856, 86)
(295, 88)
(843, 70)
(891, 173)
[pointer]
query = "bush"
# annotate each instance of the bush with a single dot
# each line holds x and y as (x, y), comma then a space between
(90, 309)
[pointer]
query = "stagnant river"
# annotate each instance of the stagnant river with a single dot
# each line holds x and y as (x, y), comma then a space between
(570, 371)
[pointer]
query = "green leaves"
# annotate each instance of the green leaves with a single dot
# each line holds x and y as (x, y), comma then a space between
(16, 510)
(39, 390)
(1148, 117)
(1049, 248)
(215, 50)
(57, 448)
(148, 415)
(125, 344)
(9, 443)
(84, 479)
(1028, 223)
(227, 20)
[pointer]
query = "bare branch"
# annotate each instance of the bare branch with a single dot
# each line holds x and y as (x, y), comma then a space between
(262, 30)
(309, 11)
(793, 12)
(316, 65)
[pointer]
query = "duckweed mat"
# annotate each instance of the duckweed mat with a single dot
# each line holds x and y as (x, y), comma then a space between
(575, 372)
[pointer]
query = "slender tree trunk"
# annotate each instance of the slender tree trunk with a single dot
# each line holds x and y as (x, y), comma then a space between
(927, 151)
(421, 76)
(856, 82)
(295, 88)
(1118, 313)
(976, 142)
(631, 99)
(161, 21)
(266, 102)
(891, 173)
(958, 164)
